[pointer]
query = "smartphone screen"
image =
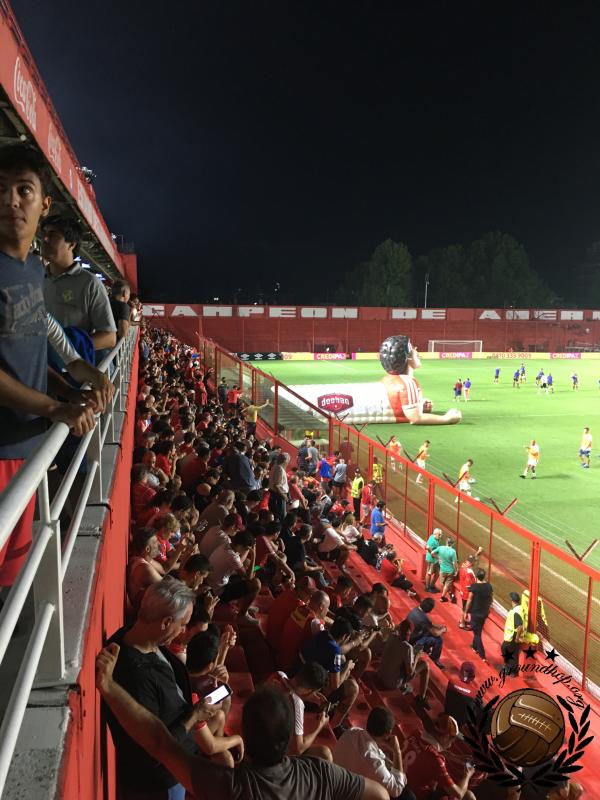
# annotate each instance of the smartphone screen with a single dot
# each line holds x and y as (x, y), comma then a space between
(218, 694)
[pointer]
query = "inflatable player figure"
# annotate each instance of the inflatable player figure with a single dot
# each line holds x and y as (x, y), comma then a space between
(399, 359)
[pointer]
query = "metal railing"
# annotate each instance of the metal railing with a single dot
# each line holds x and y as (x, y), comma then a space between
(43, 662)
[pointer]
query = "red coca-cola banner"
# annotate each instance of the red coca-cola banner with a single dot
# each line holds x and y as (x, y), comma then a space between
(26, 91)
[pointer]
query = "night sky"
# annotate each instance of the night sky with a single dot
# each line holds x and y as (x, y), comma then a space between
(243, 143)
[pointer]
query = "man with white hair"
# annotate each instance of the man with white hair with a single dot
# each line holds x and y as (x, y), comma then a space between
(433, 565)
(159, 682)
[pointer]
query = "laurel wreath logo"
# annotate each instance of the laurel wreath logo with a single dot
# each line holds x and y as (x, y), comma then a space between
(550, 774)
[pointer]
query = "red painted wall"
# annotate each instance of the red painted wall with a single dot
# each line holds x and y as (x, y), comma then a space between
(240, 334)
(88, 767)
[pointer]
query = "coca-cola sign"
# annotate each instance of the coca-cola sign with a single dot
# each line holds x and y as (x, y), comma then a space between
(335, 402)
(54, 147)
(25, 94)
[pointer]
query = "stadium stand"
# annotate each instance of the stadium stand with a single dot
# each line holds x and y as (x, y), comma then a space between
(191, 609)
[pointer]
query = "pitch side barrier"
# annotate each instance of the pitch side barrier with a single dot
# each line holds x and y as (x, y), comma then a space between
(459, 355)
(514, 558)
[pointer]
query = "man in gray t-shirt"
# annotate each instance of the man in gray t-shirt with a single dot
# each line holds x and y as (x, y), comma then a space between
(73, 295)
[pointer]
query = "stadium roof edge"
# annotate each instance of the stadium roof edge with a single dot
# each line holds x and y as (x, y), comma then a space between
(27, 113)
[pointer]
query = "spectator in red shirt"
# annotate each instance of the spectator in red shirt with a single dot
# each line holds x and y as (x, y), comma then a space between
(296, 497)
(195, 467)
(301, 626)
(281, 608)
(233, 396)
(367, 498)
(425, 763)
(167, 527)
(466, 578)
(462, 694)
(165, 458)
(392, 572)
(141, 493)
(341, 594)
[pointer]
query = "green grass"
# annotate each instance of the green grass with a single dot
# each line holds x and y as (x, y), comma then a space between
(497, 423)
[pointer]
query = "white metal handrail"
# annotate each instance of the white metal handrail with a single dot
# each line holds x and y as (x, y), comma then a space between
(48, 558)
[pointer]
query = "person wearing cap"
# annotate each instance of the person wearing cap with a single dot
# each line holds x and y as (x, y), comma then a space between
(433, 565)
(427, 773)
(448, 560)
(513, 629)
(479, 602)
(462, 694)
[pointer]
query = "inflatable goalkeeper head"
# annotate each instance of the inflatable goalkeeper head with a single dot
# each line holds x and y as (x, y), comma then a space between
(397, 354)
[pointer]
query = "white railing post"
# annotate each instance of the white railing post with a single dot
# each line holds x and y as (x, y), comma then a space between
(95, 454)
(122, 363)
(47, 590)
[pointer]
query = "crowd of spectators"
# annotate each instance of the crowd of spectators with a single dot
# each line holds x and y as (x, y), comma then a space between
(221, 516)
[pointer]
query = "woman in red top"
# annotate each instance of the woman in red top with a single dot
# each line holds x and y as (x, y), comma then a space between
(165, 458)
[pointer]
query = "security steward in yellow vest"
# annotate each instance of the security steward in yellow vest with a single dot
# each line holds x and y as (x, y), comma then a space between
(513, 629)
(358, 484)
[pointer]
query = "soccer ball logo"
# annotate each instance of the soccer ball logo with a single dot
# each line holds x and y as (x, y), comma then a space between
(527, 727)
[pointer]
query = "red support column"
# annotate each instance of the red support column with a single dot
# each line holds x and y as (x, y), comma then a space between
(490, 550)
(534, 585)
(430, 508)
(405, 497)
(330, 436)
(276, 409)
(586, 634)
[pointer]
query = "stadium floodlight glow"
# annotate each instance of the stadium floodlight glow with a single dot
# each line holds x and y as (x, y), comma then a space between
(89, 175)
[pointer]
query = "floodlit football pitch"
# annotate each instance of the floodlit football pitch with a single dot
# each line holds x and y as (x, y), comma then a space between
(498, 422)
